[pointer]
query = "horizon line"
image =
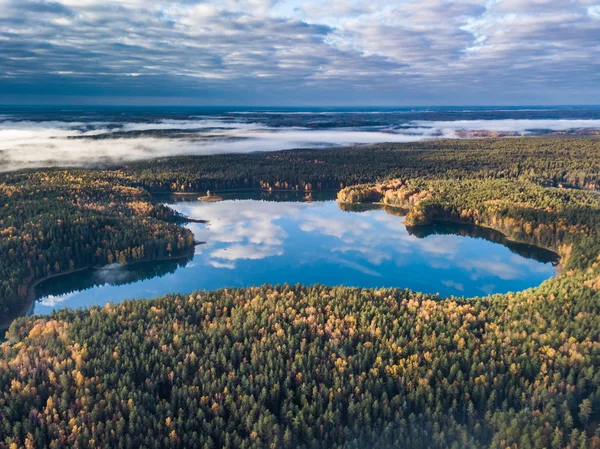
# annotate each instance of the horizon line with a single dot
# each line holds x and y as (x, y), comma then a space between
(2, 105)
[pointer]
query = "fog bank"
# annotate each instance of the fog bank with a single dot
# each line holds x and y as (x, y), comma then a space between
(29, 144)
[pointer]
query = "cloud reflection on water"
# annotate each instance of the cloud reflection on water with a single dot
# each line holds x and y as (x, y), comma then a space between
(252, 242)
(362, 242)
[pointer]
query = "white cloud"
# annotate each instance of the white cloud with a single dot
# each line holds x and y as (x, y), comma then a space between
(375, 256)
(53, 301)
(457, 285)
(485, 268)
(413, 49)
(249, 252)
(239, 230)
(339, 228)
(449, 128)
(594, 12)
(216, 264)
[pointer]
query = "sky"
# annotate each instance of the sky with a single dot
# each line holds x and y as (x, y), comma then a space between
(291, 52)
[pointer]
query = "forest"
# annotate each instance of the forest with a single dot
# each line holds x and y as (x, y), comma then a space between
(308, 367)
(55, 222)
(573, 162)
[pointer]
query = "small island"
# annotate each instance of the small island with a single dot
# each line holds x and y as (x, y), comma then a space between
(210, 197)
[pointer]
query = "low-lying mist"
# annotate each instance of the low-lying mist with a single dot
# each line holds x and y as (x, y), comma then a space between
(32, 144)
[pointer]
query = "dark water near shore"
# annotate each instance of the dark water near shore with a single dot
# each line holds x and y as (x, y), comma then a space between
(250, 241)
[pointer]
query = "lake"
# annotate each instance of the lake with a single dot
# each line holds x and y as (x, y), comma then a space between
(254, 238)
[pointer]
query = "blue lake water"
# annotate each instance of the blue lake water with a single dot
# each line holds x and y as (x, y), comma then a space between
(252, 241)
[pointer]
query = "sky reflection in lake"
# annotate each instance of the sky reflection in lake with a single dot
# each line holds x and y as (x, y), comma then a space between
(250, 242)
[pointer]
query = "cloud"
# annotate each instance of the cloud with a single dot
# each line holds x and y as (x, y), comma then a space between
(54, 300)
(453, 284)
(216, 264)
(28, 143)
(302, 52)
(531, 265)
(112, 274)
(349, 263)
(496, 268)
(335, 227)
(488, 289)
(239, 230)
(389, 241)
(375, 256)
(507, 125)
(248, 252)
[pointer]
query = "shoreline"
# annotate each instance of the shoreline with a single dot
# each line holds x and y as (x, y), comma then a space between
(31, 299)
(184, 220)
(559, 267)
(241, 189)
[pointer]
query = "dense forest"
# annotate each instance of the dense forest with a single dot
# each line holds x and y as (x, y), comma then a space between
(55, 222)
(573, 162)
(314, 366)
(310, 367)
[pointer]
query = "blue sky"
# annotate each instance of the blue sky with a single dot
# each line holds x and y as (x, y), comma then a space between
(290, 52)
